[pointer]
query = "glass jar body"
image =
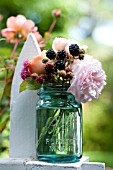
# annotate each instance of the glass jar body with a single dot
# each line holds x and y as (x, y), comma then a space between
(58, 125)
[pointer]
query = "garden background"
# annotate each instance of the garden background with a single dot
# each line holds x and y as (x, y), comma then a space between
(90, 22)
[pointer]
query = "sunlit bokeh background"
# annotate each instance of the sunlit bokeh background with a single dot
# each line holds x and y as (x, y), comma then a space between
(90, 22)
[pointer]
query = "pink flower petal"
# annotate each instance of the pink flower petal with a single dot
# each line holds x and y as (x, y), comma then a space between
(38, 36)
(34, 29)
(9, 34)
(5, 32)
(28, 25)
(11, 22)
(16, 22)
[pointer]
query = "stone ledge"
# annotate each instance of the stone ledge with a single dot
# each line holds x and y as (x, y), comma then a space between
(35, 165)
(13, 164)
(30, 164)
(93, 166)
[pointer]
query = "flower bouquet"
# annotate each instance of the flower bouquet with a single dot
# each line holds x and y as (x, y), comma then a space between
(67, 77)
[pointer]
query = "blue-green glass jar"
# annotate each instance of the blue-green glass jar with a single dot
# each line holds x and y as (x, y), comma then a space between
(58, 125)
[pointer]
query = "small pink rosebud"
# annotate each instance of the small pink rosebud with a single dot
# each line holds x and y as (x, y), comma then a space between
(26, 64)
(56, 13)
(24, 73)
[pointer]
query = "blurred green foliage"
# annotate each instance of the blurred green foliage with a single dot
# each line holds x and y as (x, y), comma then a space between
(98, 114)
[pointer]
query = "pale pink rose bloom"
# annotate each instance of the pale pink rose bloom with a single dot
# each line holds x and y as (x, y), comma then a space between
(18, 29)
(59, 44)
(89, 79)
(36, 65)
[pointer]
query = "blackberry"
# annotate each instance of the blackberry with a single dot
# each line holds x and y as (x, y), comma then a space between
(61, 54)
(51, 54)
(74, 49)
(59, 65)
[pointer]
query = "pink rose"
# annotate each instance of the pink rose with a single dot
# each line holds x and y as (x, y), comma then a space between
(36, 65)
(89, 79)
(59, 44)
(56, 13)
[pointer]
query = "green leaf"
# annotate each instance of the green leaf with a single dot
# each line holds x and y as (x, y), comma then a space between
(7, 89)
(23, 86)
(32, 84)
(29, 84)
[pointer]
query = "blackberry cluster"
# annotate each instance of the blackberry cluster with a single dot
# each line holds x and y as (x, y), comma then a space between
(61, 54)
(51, 54)
(59, 65)
(74, 49)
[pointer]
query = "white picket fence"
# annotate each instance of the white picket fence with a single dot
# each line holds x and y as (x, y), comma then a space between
(22, 126)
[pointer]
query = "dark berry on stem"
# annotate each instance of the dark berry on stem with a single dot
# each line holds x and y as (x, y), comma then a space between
(61, 54)
(49, 70)
(51, 54)
(49, 67)
(81, 57)
(74, 49)
(59, 65)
